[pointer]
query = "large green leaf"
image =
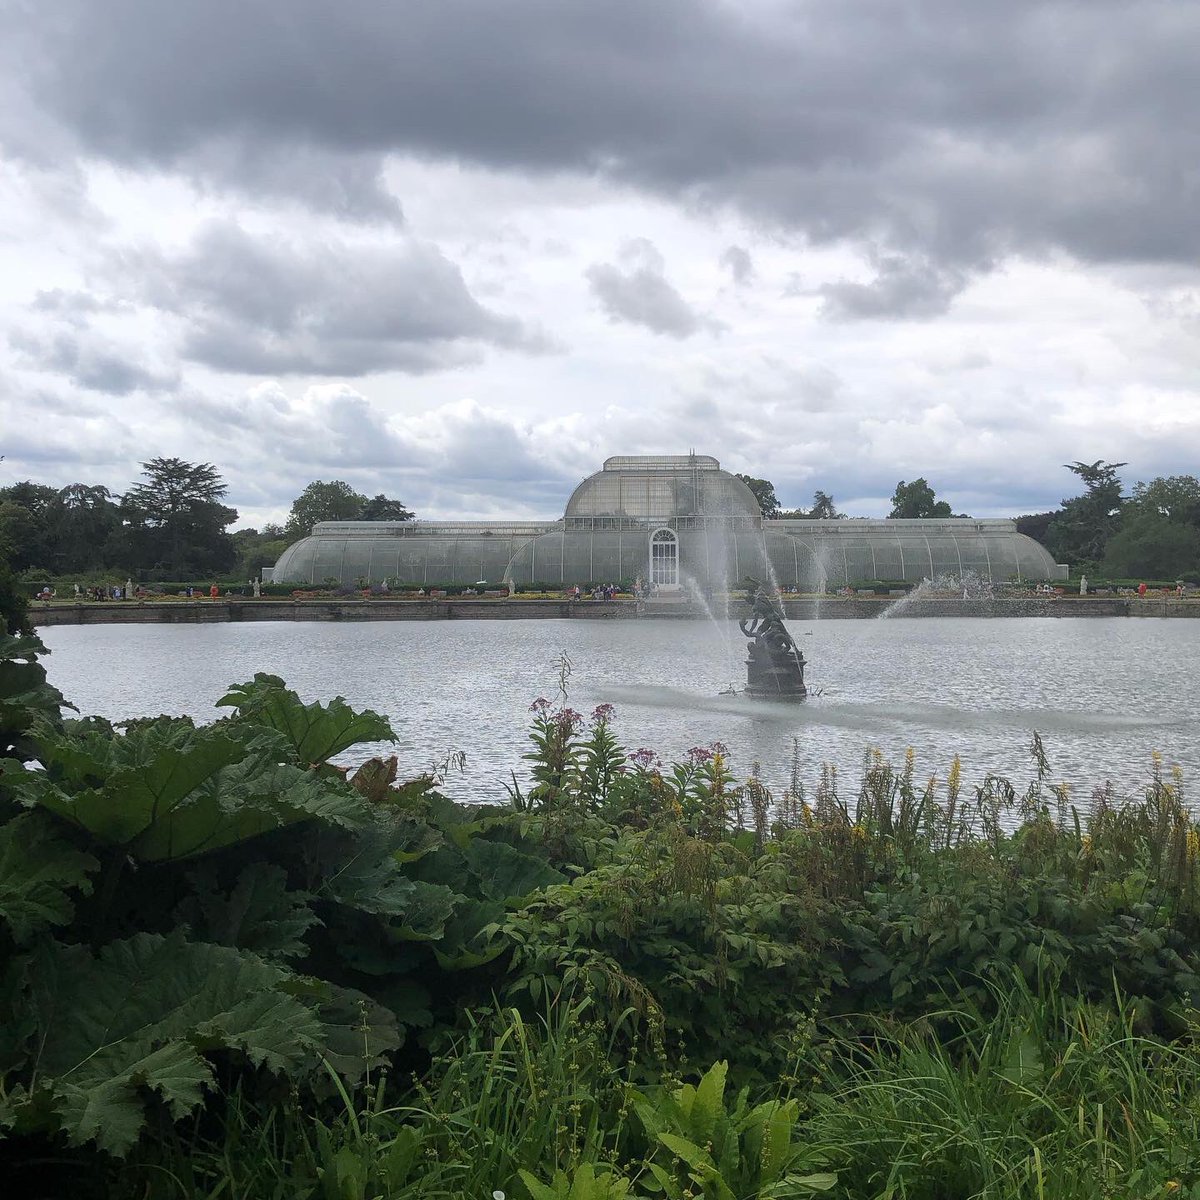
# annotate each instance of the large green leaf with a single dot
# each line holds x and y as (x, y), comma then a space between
(358, 1030)
(166, 790)
(259, 913)
(139, 1016)
(360, 872)
(316, 732)
(502, 872)
(26, 699)
(38, 873)
(244, 800)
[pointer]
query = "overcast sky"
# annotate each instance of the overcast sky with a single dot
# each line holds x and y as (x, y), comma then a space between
(459, 251)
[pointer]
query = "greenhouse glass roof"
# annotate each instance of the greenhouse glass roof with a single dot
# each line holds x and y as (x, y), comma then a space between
(613, 515)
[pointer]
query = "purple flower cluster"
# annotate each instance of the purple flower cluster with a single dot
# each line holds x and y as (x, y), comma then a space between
(539, 706)
(698, 755)
(603, 713)
(645, 759)
(568, 718)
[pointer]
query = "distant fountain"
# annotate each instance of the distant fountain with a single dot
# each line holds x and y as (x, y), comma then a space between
(820, 557)
(969, 586)
(774, 665)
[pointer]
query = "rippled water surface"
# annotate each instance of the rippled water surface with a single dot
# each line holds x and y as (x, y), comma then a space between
(1103, 693)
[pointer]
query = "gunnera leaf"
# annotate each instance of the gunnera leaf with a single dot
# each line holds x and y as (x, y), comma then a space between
(26, 699)
(259, 913)
(359, 1032)
(363, 869)
(165, 790)
(502, 872)
(316, 732)
(138, 1017)
(39, 871)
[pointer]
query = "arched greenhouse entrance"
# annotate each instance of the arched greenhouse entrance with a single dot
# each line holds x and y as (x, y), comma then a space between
(664, 559)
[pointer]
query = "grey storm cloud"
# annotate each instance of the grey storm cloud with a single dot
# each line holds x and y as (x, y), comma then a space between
(349, 186)
(737, 261)
(90, 362)
(960, 130)
(902, 287)
(640, 293)
(262, 305)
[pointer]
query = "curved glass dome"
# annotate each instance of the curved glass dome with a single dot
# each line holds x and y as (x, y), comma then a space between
(659, 488)
(708, 529)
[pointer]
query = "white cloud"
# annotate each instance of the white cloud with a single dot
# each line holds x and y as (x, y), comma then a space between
(321, 256)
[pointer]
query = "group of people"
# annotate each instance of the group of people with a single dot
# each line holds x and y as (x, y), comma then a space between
(101, 592)
(602, 591)
(130, 591)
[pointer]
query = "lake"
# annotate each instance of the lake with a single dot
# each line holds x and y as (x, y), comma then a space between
(1103, 693)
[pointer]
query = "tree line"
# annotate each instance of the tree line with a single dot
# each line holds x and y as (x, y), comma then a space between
(172, 524)
(910, 501)
(1154, 532)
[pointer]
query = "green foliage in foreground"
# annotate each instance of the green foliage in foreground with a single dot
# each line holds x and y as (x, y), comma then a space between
(229, 967)
(181, 902)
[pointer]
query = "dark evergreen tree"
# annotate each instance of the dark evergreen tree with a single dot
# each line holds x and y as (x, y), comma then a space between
(174, 523)
(824, 509)
(1079, 534)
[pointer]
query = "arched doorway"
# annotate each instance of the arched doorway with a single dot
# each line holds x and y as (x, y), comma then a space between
(664, 559)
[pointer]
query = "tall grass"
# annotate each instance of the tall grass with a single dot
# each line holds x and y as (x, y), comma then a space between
(508, 1095)
(1051, 1098)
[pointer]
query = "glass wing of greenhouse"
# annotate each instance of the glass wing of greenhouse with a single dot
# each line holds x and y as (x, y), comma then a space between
(672, 519)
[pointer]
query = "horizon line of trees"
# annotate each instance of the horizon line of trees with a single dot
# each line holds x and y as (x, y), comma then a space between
(170, 525)
(173, 524)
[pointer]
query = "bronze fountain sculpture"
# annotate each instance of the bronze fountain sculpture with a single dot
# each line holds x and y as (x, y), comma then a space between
(774, 665)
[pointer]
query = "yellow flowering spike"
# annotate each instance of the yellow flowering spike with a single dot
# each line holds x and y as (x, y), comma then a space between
(954, 779)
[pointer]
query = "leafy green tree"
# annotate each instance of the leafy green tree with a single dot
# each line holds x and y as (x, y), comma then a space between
(14, 606)
(175, 522)
(25, 524)
(1080, 532)
(917, 499)
(383, 508)
(764, 493)
(1152, 546)
(82, 519)
(258, 548)
(320, 501)
(1176, 497)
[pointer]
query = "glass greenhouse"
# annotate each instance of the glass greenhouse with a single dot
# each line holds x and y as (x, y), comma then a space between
(670, 519)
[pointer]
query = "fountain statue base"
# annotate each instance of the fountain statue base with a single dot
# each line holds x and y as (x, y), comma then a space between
(774, 666)
(777, 675)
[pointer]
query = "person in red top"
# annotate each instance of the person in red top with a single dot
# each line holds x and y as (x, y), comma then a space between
(214, 591)
(1142, 590)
